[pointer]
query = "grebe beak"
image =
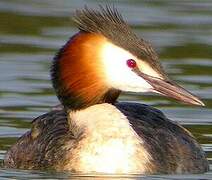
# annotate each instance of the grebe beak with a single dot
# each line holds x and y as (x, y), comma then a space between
(170, 89)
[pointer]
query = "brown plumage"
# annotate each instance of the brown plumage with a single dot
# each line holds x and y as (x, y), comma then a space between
(73, 72)
(94, 133)
(173, 149)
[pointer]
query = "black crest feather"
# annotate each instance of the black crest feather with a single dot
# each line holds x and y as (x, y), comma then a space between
(108, 22)
(90, 20)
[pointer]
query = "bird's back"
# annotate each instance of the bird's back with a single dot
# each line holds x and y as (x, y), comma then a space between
(50, 142)
(173, 148)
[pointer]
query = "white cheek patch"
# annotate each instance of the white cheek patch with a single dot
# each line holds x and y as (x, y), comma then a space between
(146, 69)
(118, 74)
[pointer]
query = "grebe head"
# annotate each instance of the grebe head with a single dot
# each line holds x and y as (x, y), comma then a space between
(106, 57)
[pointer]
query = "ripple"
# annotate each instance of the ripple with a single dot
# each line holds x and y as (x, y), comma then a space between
(189, 115)
(33, 41)
(11, 132)
(195, 78)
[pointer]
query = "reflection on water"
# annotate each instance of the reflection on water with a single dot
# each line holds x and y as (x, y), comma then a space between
(32, 30)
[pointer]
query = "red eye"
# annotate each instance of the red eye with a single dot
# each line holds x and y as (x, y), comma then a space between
(131, 63)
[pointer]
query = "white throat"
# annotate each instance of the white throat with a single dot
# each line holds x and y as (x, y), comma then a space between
(110, 145)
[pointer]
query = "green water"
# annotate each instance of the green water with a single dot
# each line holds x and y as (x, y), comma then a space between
(31, 31)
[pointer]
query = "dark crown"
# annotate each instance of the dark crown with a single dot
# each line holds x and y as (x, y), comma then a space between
(109, 23)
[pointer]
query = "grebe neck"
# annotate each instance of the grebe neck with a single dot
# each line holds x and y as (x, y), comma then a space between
(76, 73)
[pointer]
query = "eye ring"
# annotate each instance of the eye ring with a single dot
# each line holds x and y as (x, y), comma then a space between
(131, 63)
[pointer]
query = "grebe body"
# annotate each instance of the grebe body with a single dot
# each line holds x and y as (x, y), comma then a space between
(153, 145)
(92, 132)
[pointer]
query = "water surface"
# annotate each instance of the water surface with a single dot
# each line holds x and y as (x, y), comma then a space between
(31, 31)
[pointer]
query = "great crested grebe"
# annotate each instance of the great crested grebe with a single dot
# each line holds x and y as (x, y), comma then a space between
(94, 132)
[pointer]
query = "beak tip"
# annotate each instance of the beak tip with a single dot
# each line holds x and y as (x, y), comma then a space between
(198, 102)
(201, 103)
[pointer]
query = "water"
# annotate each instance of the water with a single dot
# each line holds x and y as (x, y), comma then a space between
(31, 31)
